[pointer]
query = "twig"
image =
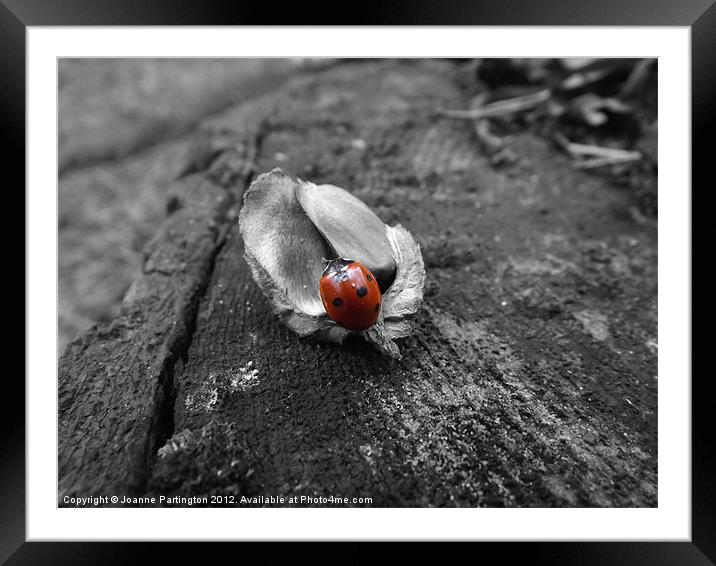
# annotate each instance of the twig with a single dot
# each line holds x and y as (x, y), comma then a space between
(491, 142)
(580, 79)
(628, 157)
(500, 107)
(580, 149)
(575, 64)
(602, 156)
(494, 145)
(637, 77)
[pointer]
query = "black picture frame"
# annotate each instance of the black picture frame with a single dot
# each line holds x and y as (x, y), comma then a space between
(699, 15)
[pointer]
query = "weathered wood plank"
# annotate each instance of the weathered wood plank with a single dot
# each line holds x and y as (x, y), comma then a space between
(115, 380)
(116, 384)
(532, 377)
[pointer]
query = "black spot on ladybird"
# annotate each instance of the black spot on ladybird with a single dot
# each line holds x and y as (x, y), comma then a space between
(369, 278)
(337, 302)
(361, 291)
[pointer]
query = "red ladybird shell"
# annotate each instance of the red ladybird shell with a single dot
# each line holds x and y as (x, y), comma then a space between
(350, 294)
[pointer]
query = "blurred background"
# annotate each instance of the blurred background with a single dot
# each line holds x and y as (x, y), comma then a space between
(124, 133)
(125, 130)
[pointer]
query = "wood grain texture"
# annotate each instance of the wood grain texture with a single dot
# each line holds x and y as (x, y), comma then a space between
(531, 378)
(116, 382)
(112, 381)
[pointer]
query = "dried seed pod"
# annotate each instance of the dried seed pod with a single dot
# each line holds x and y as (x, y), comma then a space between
(350, 227)
(291, 227)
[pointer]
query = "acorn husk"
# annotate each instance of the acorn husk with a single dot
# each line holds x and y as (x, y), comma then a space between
(290, 227)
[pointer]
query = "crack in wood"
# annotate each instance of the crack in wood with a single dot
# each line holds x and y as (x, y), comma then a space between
(163, 429)
(117, 383)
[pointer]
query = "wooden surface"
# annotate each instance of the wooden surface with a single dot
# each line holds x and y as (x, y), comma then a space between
(531, 379)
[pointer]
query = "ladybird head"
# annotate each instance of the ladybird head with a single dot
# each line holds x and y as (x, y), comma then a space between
(335, 266)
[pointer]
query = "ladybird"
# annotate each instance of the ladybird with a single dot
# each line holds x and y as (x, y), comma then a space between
(350, 294)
